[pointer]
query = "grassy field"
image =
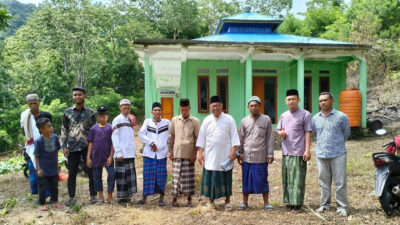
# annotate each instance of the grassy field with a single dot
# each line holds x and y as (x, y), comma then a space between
(365, 207)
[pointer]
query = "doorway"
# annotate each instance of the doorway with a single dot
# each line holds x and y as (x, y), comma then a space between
(266, 89)
(167, 105)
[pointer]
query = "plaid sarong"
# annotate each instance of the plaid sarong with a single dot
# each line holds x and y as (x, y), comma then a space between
(154, 176)
(125, 174)
(294, 170)
(216, 184)
(182, 177)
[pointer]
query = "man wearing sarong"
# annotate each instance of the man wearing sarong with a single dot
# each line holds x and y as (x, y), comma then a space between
(218, 140)
(294, 128)
(154, 134)
(256, 152)
(184, 130)
(123, 140)
(28, 124)
(332, 129)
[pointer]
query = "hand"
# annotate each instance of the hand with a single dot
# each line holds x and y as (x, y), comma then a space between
(88, 163)
(120, 159)
(270, 160)
(109, 161)
(171, 155)
(232, 156)
(66, 152)
(154, 148)
(39, 172)
(306, 156)
(193, 158)
(282, 134)
(200, 157)
(240, 160)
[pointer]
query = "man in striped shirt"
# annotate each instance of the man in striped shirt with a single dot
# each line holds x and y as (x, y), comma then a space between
(154, 134)
(332, 129)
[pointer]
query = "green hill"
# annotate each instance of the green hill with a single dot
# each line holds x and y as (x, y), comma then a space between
(20, 13)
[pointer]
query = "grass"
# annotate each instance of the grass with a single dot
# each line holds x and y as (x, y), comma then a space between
(365, 207)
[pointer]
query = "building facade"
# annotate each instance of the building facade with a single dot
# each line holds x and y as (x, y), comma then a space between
(245, 57)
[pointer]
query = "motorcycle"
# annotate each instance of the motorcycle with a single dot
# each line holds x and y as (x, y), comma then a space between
(25, 165)
(387, 177)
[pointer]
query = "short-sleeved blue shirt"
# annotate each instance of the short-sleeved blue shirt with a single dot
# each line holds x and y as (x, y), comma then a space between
(47, 151)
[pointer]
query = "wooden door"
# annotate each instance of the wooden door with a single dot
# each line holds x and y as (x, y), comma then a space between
(167, 105)
(258, 90)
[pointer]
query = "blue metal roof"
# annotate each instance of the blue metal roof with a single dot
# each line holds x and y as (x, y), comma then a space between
(252, 16)
(245, 21)
(271, 37)
(248, 27)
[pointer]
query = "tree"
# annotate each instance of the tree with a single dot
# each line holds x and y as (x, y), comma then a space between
(211, 11)
(19, 12)
(4, 18)
(179, 19)
(270, 7)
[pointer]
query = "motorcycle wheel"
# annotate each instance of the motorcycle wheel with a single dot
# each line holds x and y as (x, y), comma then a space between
(390, 203)
(25, 168)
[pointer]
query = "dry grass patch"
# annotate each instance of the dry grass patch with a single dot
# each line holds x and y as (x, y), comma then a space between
(365, 207)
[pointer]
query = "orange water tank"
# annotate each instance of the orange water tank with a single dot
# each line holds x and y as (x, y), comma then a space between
(350, 104)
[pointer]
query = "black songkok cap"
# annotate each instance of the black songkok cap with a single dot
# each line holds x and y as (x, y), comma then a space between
(41, 122)
(79, 88)
(184, 102)
(215, 98)
(292, 92)
(102, 110)
(155, 105)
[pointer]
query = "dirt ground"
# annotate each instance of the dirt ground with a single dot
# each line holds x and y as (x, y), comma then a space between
(365, 207)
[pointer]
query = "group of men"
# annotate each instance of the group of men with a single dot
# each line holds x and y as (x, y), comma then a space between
(215, 144)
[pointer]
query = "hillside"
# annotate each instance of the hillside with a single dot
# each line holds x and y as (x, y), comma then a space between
(20, 13)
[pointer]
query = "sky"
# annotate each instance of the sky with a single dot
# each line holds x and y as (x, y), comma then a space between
(298, 5)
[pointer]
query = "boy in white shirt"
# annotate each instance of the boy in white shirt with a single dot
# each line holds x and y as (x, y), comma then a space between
(124, 153)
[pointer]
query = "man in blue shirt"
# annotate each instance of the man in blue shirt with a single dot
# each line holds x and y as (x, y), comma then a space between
(332, 129)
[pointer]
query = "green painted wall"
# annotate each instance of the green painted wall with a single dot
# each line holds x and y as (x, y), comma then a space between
(337, 79)
(286, 79)
(236, 85)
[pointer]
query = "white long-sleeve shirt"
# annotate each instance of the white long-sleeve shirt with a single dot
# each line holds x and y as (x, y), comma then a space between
(217, 136)
(123, 138)
(157, 134)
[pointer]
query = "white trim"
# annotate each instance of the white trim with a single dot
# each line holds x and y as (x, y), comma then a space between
(178, 52)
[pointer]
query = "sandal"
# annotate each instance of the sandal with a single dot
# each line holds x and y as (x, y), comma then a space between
(93, 201)
(58, 206)
(161, 203)
(268, 207)
(140, 202)
(100, 202)
(288, 206)
(190, 204)
(296, 210)
(175, 204)
(44, 208)
(242, 206)
(228, 207)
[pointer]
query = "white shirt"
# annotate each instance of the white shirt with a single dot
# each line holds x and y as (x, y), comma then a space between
(123, 138)
(217, 136)
(30, 149)
(157, 134)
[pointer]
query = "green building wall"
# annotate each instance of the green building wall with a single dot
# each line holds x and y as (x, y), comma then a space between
(286, 79)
